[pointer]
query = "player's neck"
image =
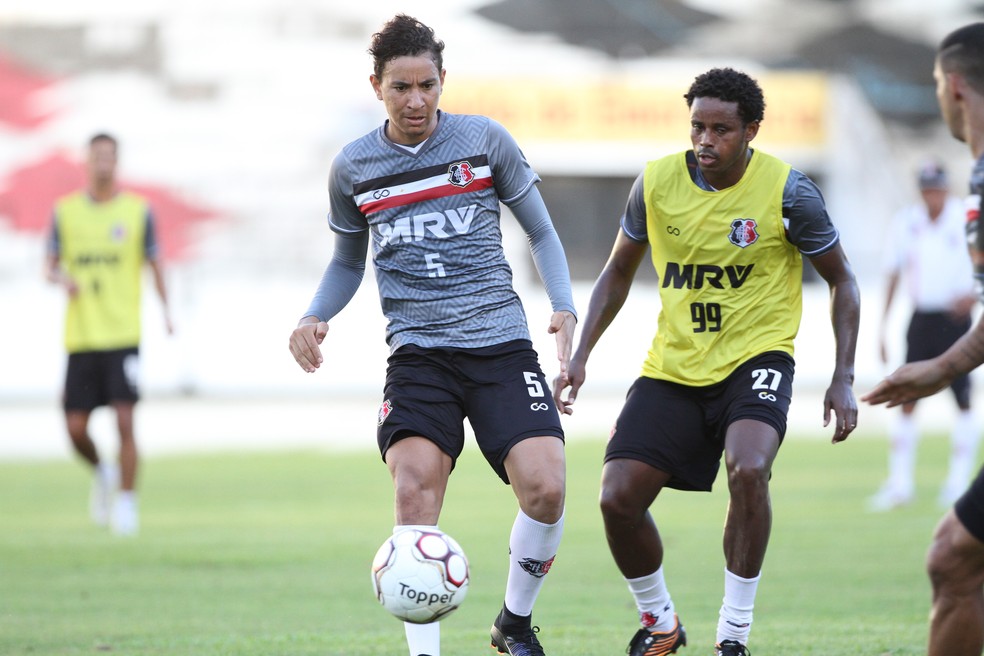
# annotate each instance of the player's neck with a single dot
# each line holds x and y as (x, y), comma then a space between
(102, 192)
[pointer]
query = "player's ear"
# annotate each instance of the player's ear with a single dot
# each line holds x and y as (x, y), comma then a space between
(441, 78)
(955, 84)
(377, 85)
(751, 130)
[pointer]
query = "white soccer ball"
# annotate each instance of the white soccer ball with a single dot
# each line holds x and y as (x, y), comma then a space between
(420, 576)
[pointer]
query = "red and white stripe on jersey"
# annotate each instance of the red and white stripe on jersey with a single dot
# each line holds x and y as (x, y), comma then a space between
(973, 207)
(432, 188)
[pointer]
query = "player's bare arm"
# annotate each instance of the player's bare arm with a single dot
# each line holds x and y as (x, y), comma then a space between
(917, 380)
(55, 274)
(158, 273)
(305, 343)
(607, 297)
(845, 313)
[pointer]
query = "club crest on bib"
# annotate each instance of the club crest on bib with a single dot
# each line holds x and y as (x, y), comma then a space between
(743, 232)
(384, 411)
(460, 174)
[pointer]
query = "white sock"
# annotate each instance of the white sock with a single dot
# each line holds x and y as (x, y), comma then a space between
(532, 548)
(735, 617)
(422, 639)
(963, 450)
(902, 456)
(653, 601)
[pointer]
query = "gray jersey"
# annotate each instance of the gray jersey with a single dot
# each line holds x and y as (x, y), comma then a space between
(433, 217)
(808, 226)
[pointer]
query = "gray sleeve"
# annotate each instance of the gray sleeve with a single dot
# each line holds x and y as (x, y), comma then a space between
(342, 276)
(53, 245)
(151, 248)
(513, 175)
(548, 252)
(343, 214)
(634, 219)
(807, 223)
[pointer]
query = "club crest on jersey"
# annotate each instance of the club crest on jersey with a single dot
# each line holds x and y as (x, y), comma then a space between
(460, 174)
(384, 411)
(743, 232)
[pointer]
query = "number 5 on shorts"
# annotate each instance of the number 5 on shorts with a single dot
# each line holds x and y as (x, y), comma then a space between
(533, 384)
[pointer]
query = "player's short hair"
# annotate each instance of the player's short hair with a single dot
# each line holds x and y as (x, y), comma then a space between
(730, 85)
(103, 136)
(404, 36)
(962, 51)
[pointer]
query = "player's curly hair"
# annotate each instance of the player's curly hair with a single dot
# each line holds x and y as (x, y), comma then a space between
(962, 51)
(404, 36)
(730, 85)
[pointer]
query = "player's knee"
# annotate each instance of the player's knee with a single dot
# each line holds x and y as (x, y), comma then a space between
(618, 505)
(749, 476)
(542, 498)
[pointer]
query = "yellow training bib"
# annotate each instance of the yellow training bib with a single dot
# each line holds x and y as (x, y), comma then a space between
(730, 281)
(102, 249)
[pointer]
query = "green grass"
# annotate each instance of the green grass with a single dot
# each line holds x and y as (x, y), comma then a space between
(268, 554)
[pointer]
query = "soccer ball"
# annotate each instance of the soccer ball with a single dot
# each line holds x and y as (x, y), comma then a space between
(420, 576)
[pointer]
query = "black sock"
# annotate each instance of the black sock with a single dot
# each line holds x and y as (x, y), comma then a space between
(510, 620)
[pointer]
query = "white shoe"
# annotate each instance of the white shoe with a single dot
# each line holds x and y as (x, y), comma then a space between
(888, 498)
(949, 494)
(125, 520)
(105, 479)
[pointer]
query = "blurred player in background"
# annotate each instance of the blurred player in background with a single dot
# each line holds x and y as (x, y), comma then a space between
(424, 190)
(928, 251)
(100, 240)
(956, 556)
(727, 227)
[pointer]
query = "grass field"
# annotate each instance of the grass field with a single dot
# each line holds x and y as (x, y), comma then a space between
(268, 554)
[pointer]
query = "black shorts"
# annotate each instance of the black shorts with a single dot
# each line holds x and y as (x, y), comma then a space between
(680, 429)
(932, 333)
(970, 507)
(95, 378)
(500, 389)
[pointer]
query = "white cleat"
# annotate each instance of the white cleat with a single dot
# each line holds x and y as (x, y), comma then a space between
(105, 480)
(888, 498)
(125, 520)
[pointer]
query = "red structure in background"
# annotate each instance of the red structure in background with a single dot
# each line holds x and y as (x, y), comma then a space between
(18, 86)
(27, 195)
(30, 193)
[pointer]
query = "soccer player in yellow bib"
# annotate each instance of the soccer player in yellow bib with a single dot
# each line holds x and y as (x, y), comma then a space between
(100, 239)
(727, 227)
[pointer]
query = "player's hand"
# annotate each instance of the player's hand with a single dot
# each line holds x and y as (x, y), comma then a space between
(562, 325)
(909, 383)
(70, 285)
(305, 343)
(573, 380)
(840, 401)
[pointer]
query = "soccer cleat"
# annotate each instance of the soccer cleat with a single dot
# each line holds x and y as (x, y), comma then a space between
(731, 648)
(522, 643)
(124, 520)
(888, 498)
(650, 643)
(105, 478)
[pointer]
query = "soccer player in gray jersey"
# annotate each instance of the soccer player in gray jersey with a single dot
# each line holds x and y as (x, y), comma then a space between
(956, 556)
(425, 189)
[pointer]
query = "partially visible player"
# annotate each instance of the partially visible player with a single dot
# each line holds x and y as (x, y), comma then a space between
(928, 253)
(424, 190)
(727, 227)
(100, 240)
(956, 556)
